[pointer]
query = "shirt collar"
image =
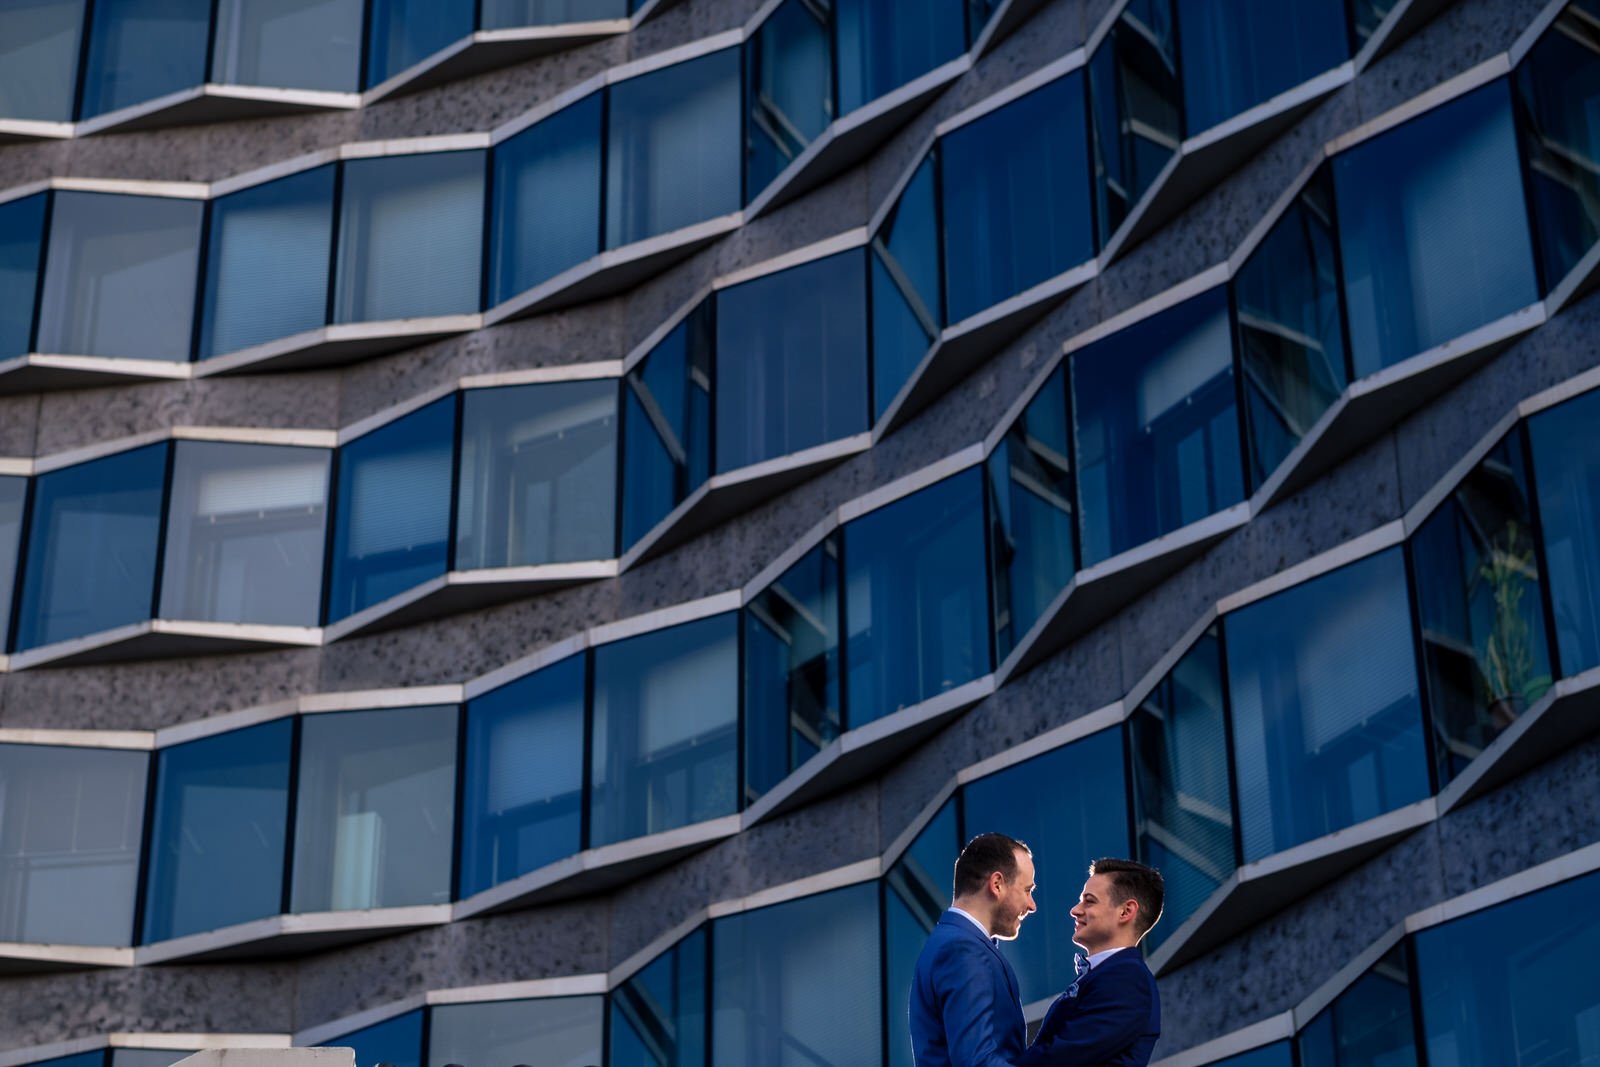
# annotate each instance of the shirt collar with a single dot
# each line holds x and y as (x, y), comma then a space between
(1100, 957)
(982, 929)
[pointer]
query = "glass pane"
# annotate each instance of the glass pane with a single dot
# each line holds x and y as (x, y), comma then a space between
(119, 279)
(916, 598)
(1318, 748)
(1289, 331)
(791, 669)
(1157, 427)
(97, 1058)
(299, 44)
(883, 44)
(672, 156)
(1075, 809)
(391, 525)
(546, 199)
(538, 475)
(508, 14)
(69, 843)
(395, 1043)
(267, 267)
(1566, 463)
(797, 984)
(523, 799)
(246, 528)
(148, 1057)
(1489, 1000)
(402, 33)
(1134, 99)
(92, 547)
(666, 708)
(217, 842)
(1558, 104)
(375, 810)
(410, 237)
(658, 1017)
(552, 1032)
(13, 494)
(21, 233)
(791, 361)
(1016, 198)
(1030, 514)
(1484, 650)
(1182, 806)
(1369, 1025)
(1240, 53)
(1365, 18)
(39, 43)
(906, 307)
(667, 434)
(789, 68)
(1424, 262)
(1278, 1055)
(916, 892)
(142, 49)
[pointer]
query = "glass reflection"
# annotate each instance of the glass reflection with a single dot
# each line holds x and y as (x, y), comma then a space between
(551, 1031)
(13, 497)
(883, 44)
(300, 44)
(658, 1017)
(907, 306)
(1134, 99)
(1566, 461)
(667, 425)
(402, 33)
(142, 49)
(395, 1042)
(1277, 1055)
(1369, 1025)
(39, 45)
(789, 86)
(916, 891)
(21, 233)
(509, 14)
(1240, 53)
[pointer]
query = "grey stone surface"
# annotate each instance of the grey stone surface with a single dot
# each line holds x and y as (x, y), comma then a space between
(19, 425)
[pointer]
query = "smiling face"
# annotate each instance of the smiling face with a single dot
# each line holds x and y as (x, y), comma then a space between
(1016, 901)
(1099, 924)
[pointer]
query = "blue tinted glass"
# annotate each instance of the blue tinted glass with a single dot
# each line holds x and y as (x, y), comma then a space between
(1030, 514)
(883, 44)
(396, 1042)
(142, 49)
(402, 33)
(1157, 427)
(1566, 463)
(553, 1030)
(21, 231)
(1182, 805)
(13, 494)
(1490, 1000)
(1319, 748)
(546, 199)
(916, 892)
(39, 42)
(791, 669)
(1016, 198)
(797, 984)
(522, 804)
(1239, 53)
(410, 237)
(1365, 18)
(97, 1058)
(906, 306)
(1078, 810)
(508, 14)
(1424, 261)
(658, 1017)
(391, 525)
(917, 600)
(92, 547)
(667, 420)
(299, 44)
(538, 475)
(672, 156)
(1278, 1055)
(791, 361)
(267, 266)
(789, 69)
(217, 842)
(1134, 104)
(1369, 1025)
(666, 707)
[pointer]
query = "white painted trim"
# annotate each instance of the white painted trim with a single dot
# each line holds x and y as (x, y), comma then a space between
(1574, 864)
(132, 187)
(1083, 726)
(878, 217)
(916, 481)
(394, 413)
(254, 436)
(1576, 386)
(1279, 1027)
(1494, 67)
(22, 192)
(556, 104)
(567, 372)
(130, 740)
(532, 663)
(1274, 215)
(867, 870)
(1197, 285)
(349, 1024)
(790, 556)
(1346, 976)
(1169, 659)
(1050, 72)
(1307, 92)
(671, 57)
(799, 257)
(421, 696)
(653, 949)
(1368, 544)
(664, 618)
(1529, 37)
(641, 351)
(575, 985)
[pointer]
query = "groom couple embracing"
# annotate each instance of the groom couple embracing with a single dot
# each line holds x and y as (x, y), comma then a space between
(965, 1009)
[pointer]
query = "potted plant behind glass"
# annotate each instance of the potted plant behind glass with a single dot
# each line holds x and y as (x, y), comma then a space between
(1506, 661)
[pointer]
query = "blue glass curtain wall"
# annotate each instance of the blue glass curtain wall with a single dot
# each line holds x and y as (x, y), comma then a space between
(394, 1042)
(658, 1016)
(1135, 102)
(666, 414)
(402, 33)
(553, 1030)
(22, 232)
(915, 892)
(143, 49)
(906, 285)
(39, 48)
(1240, 53)
(1370, 1024)
(788, 88)
(13, 502)
(300, 44)
(883, 44)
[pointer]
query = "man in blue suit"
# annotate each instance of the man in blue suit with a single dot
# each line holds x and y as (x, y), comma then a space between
(965, 1008)
(1110, 1016)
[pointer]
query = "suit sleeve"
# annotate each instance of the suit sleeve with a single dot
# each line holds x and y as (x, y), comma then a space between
(971, 998)
(1116, 1018)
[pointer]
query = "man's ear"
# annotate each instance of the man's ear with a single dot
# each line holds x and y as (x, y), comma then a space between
(1129, 911)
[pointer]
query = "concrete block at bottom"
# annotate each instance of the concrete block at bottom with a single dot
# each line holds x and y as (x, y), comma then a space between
(271, 1057)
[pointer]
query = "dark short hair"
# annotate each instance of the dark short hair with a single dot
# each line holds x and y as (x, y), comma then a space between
(1130, 879)
(984, 855)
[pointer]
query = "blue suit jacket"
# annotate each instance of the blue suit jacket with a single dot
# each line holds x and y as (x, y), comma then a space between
(965, 1008)
(1110, 1017)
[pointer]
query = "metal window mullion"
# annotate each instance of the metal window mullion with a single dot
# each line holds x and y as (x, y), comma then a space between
(1230, 750)
(141, 896)
(1541, 558)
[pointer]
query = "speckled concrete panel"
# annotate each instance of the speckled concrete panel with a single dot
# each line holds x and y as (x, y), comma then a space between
(207, 153)
(684, 21)
(19, 425)
(26, 162)
(1052, 32)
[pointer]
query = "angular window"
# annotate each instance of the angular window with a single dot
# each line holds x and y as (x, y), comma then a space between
(1015, 188)
(672, 149)
(789, 68)
(298, 44)
(402, 33)
(142, 49)
(1182, 802)
(1278, 1055)
(916, 891)
(798, 983)
(1365, 18)
(1240, 53)
(884, 44)
(148, 1057)
(39, 44)
(410, 237)
(522, 805)
(916, 600)
(1157, 427)
(13, 497)
(1319, 748)
(555, 1030)
(667, 425)
(546, 199)
(391, 527)
(21, 233)
(217, 840)
(510, 14)
(1424, 260)
(1135, 101)
(658, 1017)
(907, 308)
(267, 264)
(1566, 462)
(791, 356)
(394, 1042)
(97, 1058)
(119, 277)
(375, 810)
(246, 528)
(1030, 514)
(791, 669)
(666, 708)
(1369, 1024)
(69, 844)
(1485, 655)
(92, 547)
